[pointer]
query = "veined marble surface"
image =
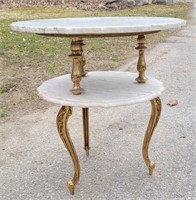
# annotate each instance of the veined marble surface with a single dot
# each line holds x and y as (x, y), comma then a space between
(97, 25)
(102, 89)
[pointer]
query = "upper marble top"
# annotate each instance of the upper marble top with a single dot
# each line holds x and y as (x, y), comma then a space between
(97, 25)
(102, 89)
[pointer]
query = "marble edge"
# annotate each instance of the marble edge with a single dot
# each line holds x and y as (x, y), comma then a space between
(104, 105)
(96, 30)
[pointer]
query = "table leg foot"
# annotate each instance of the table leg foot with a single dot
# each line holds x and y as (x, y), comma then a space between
(62, 119)
(151, 167)
(155, 115)
(71, 187)
(85, 113)
(87, 151)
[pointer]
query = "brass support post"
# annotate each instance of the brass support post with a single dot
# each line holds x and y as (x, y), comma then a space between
(141, 65)
(86, 129)
(76, 77)
(83, 61)
(62, 118)
(155, 115)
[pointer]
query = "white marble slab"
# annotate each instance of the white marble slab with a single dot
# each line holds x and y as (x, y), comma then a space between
(97, 25)
(102, 89)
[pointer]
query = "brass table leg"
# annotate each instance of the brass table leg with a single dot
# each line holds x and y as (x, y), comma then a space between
(155, 115)
(76, 48)
(62, 118)
(141, 65)
(86, 129)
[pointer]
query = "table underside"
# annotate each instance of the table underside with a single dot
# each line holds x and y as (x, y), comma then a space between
(95, 35)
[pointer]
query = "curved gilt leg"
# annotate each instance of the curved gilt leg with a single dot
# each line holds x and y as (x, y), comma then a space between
(155, 115)
(62, 118)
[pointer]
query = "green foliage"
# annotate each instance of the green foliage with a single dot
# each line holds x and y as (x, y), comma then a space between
(3, 112)
(29, 48)
(7, 87)
(30, 59)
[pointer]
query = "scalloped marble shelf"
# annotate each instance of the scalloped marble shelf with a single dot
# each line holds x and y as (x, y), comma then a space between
(102, 89)
(97, 25)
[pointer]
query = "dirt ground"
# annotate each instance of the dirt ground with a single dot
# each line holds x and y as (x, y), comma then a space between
(15, 101)
(20, 82)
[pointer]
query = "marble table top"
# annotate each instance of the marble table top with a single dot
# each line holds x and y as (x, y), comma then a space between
(102, 89)
(90, 26)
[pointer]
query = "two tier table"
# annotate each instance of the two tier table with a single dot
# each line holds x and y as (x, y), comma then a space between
(100, 89)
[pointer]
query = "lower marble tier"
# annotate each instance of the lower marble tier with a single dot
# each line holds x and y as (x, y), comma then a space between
(101, 89)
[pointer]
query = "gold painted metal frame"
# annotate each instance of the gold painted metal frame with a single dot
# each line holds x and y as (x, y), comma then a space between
(141, 65)
(62, 119)
(79, 61)
(85, 112)
(78, 65)
(155, 115)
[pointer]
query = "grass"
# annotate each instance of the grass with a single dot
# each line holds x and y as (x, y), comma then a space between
(7, 87)
(30, 48)
(175, 10)
(3, 112)
(30, 59)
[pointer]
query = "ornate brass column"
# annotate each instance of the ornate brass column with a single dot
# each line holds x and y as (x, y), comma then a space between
(141, 65)
(155, 115)
(86, 129)
(62, 118)
(83, 61)
(76, 48)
